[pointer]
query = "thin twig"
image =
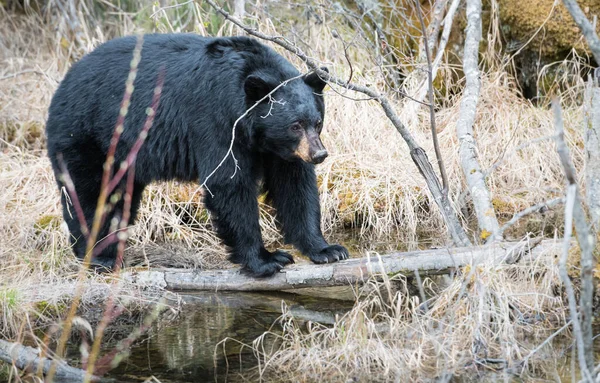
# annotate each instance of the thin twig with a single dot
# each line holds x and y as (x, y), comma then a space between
(522, 146)
(582, 324)
(530, 210)
(26, 71)
(72, 194)
(162, 9)
(132, 155)
(540, 346)
(336, 35)
(434, 135)
(230, 149)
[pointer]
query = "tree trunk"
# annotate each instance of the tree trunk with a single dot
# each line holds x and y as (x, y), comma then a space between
(592, 152)
(486, 216)
(344, 273)
(27, 359)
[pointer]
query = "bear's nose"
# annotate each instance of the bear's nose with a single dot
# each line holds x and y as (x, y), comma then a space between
(319, 156)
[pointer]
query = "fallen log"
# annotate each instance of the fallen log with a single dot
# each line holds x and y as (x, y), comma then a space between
(28, 359)
(344, 273)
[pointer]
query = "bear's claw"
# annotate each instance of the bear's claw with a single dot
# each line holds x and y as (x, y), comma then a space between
(269, 265)
(330, 254)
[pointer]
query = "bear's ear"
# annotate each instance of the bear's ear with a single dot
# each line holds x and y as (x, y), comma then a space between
(257, 87)
(314, 81)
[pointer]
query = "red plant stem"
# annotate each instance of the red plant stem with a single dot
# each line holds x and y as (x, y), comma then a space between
(104, 363)
(100, 211)
(121, 234)
(110, 157)
(131, 157)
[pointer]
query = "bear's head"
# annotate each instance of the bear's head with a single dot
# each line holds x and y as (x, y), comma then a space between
(287, 122)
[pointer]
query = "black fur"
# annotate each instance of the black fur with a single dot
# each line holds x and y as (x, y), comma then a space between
(208, 84)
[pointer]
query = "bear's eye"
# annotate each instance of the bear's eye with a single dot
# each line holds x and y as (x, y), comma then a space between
(296, 127)
(319, 126)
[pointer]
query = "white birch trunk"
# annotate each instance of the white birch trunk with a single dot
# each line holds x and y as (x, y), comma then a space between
(592, 151)
(239, 8)
(486, 216)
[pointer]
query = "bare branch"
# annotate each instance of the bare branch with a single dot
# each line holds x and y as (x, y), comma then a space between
(421, 83)
(434, 136)
(486, 216)
(530, 210)
(562, 264)
(230, 149)
(574, 211)
(586, 27)
(445, 36)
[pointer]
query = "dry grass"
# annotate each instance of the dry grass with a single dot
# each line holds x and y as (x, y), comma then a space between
(484, 319)
(368, 184)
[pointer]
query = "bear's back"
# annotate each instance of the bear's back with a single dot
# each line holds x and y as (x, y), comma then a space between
(202, 96)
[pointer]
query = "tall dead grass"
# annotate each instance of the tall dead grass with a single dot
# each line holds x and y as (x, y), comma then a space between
(486, 319)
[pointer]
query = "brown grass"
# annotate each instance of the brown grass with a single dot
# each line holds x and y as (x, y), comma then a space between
(484, 319)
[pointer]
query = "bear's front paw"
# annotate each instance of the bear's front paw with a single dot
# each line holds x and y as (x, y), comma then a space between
(268, 264)
(332, 253)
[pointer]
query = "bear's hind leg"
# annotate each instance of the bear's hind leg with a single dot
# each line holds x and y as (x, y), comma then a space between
(107, 257)
(87, 186)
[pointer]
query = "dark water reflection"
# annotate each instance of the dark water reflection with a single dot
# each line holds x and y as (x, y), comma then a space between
(184, 349)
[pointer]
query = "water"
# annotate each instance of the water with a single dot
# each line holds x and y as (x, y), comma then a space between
(185, 349)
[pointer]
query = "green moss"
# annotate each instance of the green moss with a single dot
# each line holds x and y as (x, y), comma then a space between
(44, 308)
(4, 372)
(47, 222)
(521, 20)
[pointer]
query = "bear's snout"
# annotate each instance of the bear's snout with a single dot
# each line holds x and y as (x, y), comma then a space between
(318, 153)
(319, 156)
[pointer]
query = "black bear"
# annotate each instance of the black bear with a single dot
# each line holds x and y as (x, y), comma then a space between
(208, 84)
